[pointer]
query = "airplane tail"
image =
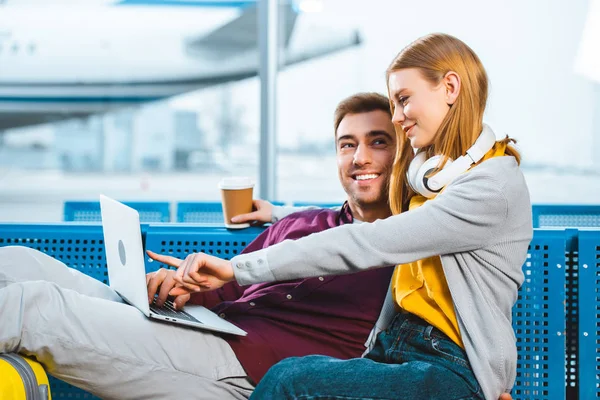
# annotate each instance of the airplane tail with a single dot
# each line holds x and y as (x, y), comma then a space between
(240, 37)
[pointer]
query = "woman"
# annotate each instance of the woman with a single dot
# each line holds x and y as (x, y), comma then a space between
(459, 237)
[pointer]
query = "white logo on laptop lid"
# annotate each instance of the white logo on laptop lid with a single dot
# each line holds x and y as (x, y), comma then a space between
(122, 254)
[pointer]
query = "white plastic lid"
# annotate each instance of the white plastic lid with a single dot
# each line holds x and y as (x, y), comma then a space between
(236, 182)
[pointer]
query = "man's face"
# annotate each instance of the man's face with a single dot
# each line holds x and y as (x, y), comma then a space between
(366, 145)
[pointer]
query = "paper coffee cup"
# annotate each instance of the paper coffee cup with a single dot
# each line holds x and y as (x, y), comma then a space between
(236, 198)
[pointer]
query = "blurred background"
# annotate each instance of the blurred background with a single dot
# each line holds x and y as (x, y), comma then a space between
(158, 100)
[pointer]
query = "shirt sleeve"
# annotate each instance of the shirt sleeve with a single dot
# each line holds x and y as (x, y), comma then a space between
(466, 216)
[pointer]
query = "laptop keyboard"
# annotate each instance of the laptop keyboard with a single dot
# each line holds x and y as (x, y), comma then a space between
(168, 310)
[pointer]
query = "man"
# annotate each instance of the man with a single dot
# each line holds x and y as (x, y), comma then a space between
(80, 330)
(322, 315)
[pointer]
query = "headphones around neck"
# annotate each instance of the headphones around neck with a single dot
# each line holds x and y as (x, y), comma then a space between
(420, 166)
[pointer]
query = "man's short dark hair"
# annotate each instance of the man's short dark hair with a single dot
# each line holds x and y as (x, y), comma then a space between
(360, 103)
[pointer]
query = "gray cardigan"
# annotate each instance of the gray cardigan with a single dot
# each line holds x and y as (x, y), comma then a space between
(481, 227)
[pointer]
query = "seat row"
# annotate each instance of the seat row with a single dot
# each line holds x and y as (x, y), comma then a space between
(556, 318)
(161, 211)
(207, 212)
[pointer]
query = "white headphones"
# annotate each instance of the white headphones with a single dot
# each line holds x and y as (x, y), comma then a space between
(420, 167)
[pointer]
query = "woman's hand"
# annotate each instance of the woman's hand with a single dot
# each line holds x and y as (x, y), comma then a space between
(198, 272)
(263, 213)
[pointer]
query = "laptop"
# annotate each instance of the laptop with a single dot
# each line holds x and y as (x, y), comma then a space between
(127, 273)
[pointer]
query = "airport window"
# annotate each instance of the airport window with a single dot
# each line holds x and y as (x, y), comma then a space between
(165, 113)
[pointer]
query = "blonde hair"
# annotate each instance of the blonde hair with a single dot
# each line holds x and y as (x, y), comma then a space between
(434, 56)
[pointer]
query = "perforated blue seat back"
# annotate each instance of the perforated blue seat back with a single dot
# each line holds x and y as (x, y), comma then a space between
(181, 240)
(572, 313)
(150, 211)
(539, 320)
(547, 303)
(565, 216)
(589, 312)
(205, 212)
(200, 212)
(79, 246)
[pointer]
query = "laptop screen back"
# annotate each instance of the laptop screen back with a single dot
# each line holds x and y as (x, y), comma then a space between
(124, 252)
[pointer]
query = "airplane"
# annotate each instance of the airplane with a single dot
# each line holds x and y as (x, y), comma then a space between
(67, 60)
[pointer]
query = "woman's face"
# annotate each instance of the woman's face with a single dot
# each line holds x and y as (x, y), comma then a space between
(419, 106)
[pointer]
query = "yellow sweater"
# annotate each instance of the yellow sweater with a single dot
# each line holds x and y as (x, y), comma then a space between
(420, 287)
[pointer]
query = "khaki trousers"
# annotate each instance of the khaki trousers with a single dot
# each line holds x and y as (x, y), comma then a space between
(82, 333)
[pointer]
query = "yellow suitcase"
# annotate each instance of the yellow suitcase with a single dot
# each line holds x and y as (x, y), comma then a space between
(22, 379)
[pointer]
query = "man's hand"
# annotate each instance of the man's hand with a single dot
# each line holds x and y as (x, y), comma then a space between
(263, 213)
(198, 272)
(163, 279)
(505, 396)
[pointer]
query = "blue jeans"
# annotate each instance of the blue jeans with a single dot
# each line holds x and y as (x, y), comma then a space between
(411, 360)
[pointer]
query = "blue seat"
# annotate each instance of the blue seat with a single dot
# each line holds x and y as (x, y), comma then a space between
(545, 317)
(588, 332)
(200, 212)
(539, 319)
(206, 212)
(565, 216)
(150, 211)
(179, 240)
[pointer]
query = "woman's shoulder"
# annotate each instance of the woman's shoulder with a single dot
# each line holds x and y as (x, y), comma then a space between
(498, 176)
(497, 170)
(501, 175)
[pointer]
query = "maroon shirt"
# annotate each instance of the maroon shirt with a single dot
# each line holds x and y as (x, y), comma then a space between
(329, 315)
